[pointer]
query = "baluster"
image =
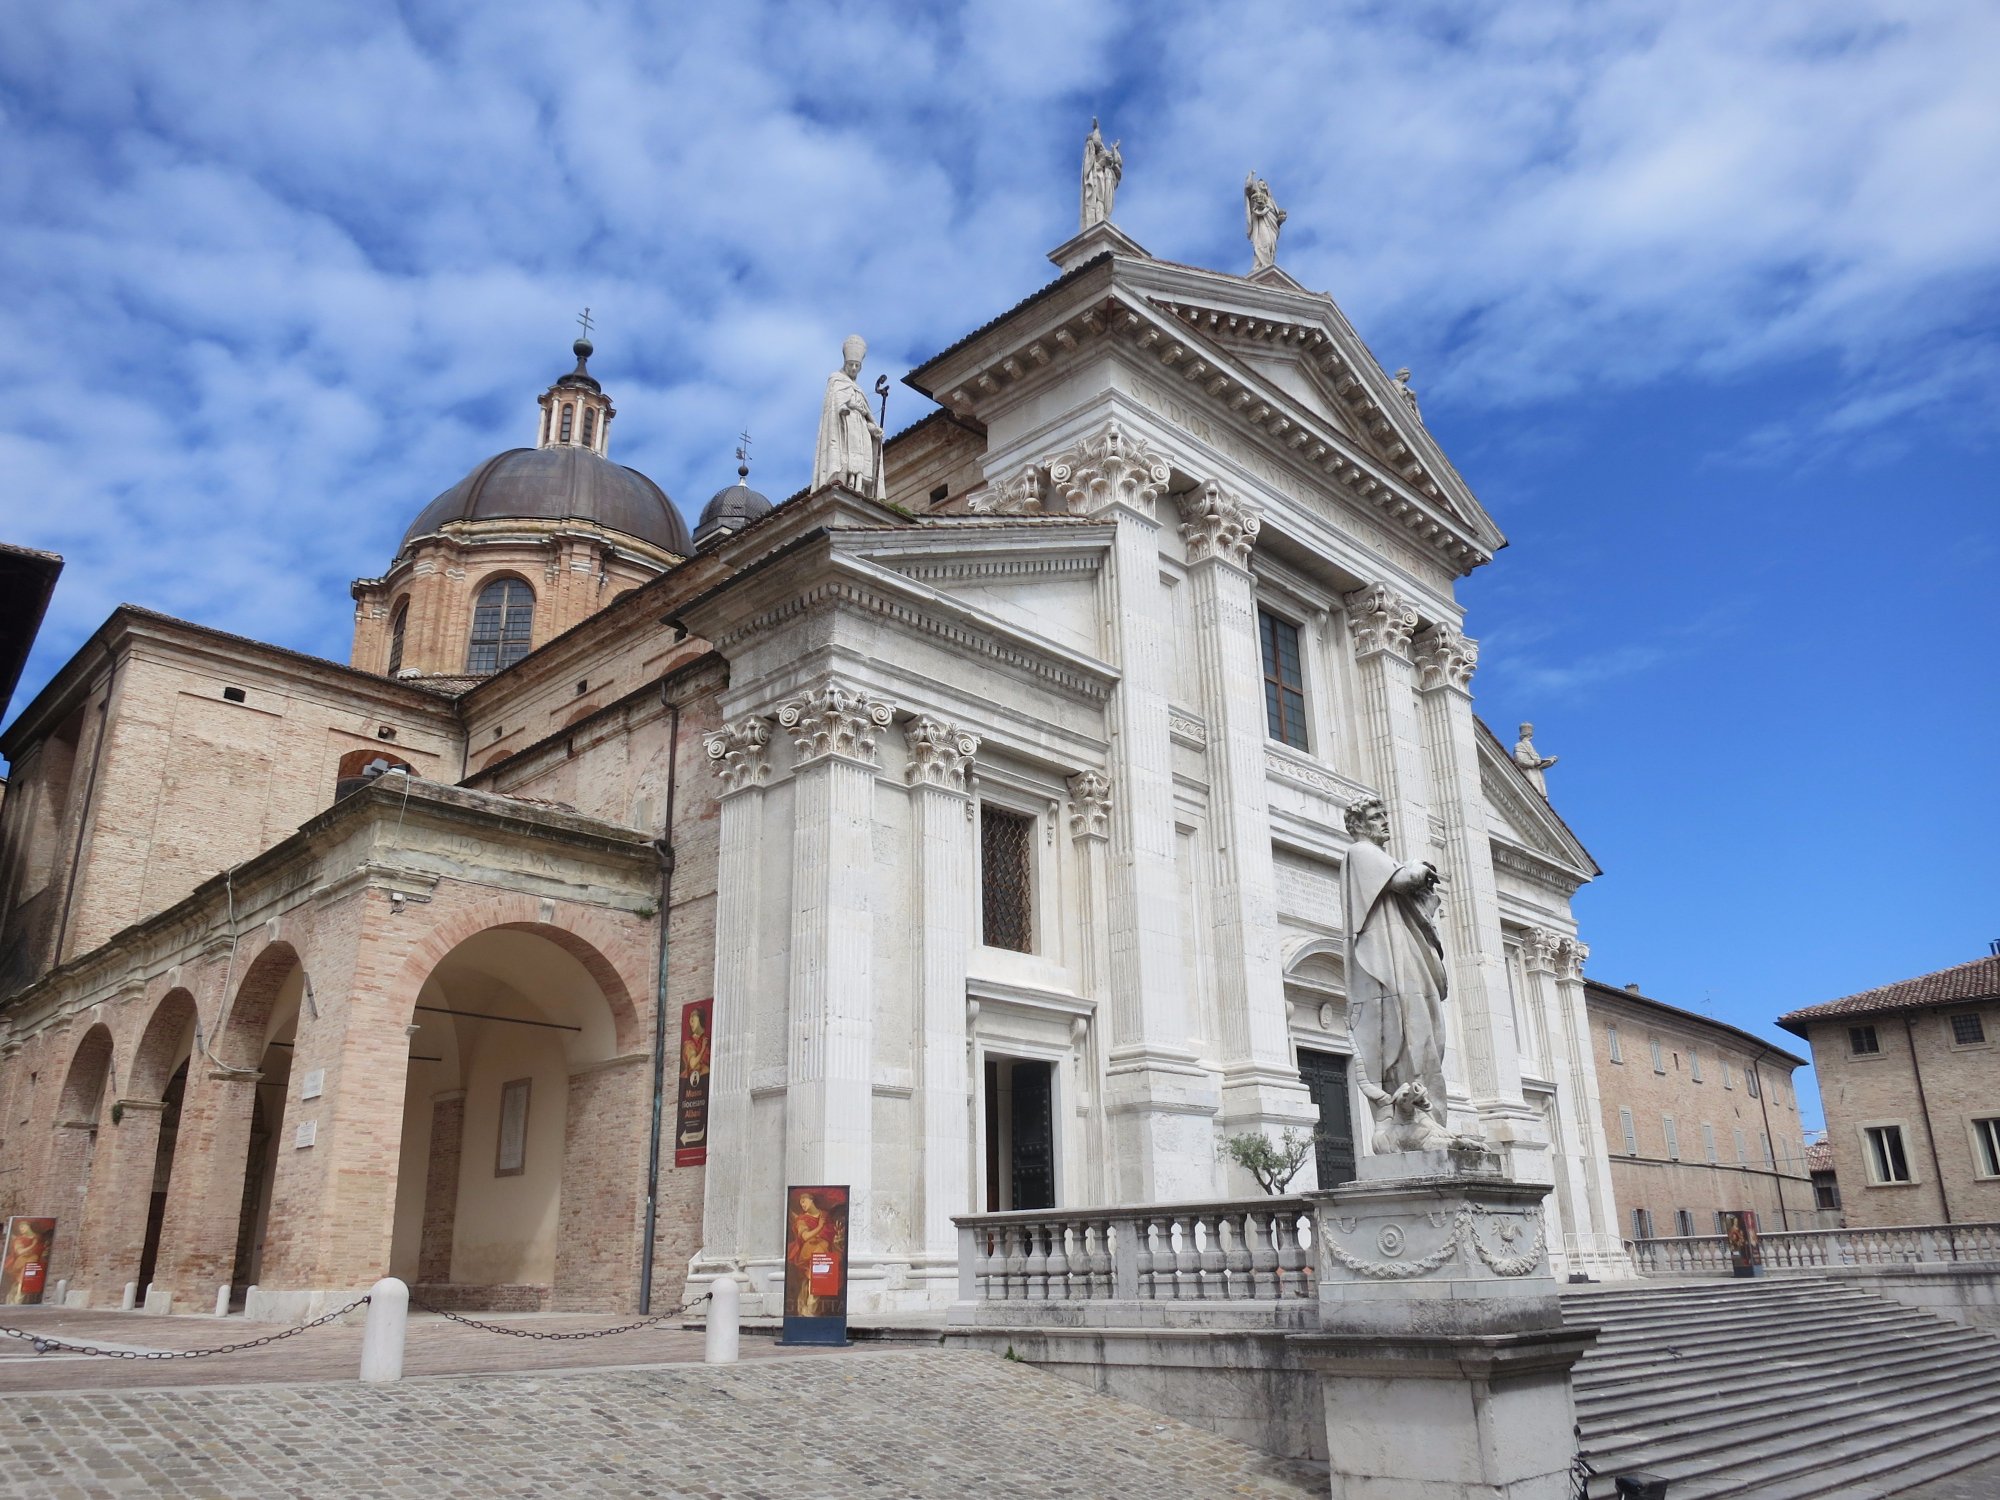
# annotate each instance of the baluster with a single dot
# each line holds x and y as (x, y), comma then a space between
(1017, 1259)
(1263, 1256)
(1187, 1259)
(1059, 1262)
(1291, 1257)
(1237, 1282)
(1214, 1287)
(1141, 1229)
(1035, 1265)
(1103, 1267)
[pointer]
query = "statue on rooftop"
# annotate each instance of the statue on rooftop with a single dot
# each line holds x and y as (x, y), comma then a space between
(1103, 167)
(1395, 985)
(1530, 761)
(849, 451)
(1262, 218)
(1403, 388)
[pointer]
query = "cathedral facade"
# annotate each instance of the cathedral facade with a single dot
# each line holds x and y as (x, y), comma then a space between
(998, 812)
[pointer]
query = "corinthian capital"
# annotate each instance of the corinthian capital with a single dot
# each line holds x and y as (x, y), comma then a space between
(1382, 620)
(1215, 523)
(834, 719)
(1541, 949)
(1108, 468)
(1089, 805)
(940, 753)
(1010, 497)
(1445, 658)
(740, 753)
(1570, 958)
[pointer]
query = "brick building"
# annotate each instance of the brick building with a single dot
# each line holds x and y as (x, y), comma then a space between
(1910, 1079)
(1701, 1117)
(1003, 822)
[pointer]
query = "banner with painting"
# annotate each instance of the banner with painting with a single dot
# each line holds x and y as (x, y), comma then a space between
(697, 1058)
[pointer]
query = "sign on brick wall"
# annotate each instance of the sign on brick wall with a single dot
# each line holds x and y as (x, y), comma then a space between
(697, 1050)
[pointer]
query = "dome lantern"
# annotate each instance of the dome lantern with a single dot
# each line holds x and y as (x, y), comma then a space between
(575, 412)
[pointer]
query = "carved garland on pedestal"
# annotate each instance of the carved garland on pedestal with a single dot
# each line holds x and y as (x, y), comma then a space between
(834, 719)
(1107, 469)
(1215, 523)
(940, 753)
(1381, 620)
(740, 753)
(1464, 1231)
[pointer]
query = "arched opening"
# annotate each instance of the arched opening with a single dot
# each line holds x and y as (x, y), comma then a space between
(398, 627)
(74, 1151)
(522, 1157)
(503, 625)
(160, 1073)
(264, 1025)
(1316, 996)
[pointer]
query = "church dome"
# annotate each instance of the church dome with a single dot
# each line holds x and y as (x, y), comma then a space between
(730, 510)
(556, 483)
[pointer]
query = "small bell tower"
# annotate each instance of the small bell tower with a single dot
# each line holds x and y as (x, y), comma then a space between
(575, 411)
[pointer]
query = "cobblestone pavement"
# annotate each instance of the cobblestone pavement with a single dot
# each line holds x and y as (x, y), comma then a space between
(865, 1424)
(435, 1347)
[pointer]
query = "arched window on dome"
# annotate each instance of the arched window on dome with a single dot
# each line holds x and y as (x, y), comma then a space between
(503, 624)
(398, 625)
(569, 416)
(590, 427)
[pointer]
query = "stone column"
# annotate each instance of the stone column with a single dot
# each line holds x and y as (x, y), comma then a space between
(1381, 622)
(121, 1193)
(1159, 1098)
(1259, 1084)
(205, 1192)
(740, 756)
(940, 754)
(829, 1118)
(441, 1186)
(1603, 1240)
(1445, 661)
(1090, 831)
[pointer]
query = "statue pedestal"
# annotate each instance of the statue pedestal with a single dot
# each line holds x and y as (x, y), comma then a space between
(1443, 1358)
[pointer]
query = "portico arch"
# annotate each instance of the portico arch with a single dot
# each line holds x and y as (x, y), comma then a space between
(520, 1180)
(72, 1153)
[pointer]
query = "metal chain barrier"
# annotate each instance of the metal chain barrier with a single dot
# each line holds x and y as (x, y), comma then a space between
(539, 1333)
(43, 1344)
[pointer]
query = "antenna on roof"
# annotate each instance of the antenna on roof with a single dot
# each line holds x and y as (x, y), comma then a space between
(743, 458)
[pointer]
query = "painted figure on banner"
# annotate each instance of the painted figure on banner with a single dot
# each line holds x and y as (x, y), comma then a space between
(24, 1261)
(1262, 219)
(1395, 984)
(816, 1252)
(1103, 167)
(697, 1062)
(849, 451)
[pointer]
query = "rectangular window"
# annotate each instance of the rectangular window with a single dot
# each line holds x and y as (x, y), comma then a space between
(1683, 1223)
(1668, 1129)
(1886, 1160)
(1708, 1142)
(1721, 1224)
(1750, 1082)
(1728, 1079)
(1006, 869)
(1611, 1037)
(1742, 1153)
(1861, 1041)
(1694, 1065)
(1986, 1147)
(510, 1151)
(1659, 1057)
(1826, 1190)
(1284, 680)
(1967, 1031)
(1642, 1224)
(1631, 1132)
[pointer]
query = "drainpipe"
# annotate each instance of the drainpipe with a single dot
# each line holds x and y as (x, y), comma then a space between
(89, 795)
(1924, 1108)
(664, 847)
(1777, 1172)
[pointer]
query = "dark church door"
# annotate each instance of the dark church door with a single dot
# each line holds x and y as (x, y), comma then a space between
(1325, 1078)
(1034, 1136)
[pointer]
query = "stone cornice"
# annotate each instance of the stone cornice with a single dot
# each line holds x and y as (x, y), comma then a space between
(1517, 859)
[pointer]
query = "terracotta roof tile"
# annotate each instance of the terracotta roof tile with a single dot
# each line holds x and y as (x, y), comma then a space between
(1978, 980)
(1819, 1156)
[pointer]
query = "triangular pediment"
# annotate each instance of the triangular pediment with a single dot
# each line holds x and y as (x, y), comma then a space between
(1518, 814)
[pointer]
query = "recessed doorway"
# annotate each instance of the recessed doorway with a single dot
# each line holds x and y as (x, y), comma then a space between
(1325, 1077)
(1020, 1134)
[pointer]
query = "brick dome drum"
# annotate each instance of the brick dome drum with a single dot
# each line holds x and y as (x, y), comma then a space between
(559, 483)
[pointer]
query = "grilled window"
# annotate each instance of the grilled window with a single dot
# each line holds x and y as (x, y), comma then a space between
(590, 427)
(1886, 1159)
(1861, 1040)
(1284, 681)
(1967, 1031)
(398, 624)
(1006, 868)
(568, 417)
(503, 625)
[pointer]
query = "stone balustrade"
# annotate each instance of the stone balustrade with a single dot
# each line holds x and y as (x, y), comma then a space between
(1813, 1249)
(1257, 1250)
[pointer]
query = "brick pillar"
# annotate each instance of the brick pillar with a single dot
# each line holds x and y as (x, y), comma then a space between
(205, 1193)
(602, 1216)
(441, 1186)
(72, 1149)
(121, 1191)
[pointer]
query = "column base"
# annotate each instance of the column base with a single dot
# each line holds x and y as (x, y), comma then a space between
(1160, 1113)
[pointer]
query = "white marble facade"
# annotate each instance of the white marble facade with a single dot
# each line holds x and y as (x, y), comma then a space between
(1139, 460)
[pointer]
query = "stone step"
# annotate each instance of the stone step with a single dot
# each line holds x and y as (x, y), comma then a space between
(1611, 1424)
(1685, 1333)
(1602, 1310)
(1912, 1470)
(1725, 1358)
(1801, 1422)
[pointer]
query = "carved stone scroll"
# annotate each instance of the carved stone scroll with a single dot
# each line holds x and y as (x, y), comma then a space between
(1110, 468)
(940, 753)
(1381, 620)
(1446, 658)
(1216, 523)
(740, 753)
(835, 719)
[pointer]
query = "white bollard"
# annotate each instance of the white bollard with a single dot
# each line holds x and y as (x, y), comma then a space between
(131, 1298)
(222, 1300)
(62, 1292)
(719, 1348)
(383, 1330)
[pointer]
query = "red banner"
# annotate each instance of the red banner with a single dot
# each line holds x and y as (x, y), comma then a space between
(816, 1252)
(697, 1057)
(24, 1263)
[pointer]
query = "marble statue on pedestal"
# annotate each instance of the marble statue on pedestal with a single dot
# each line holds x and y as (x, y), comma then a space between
(1262, 218)
(1531, 761)
(1103, 166)
(849, 451)
(1395, 985)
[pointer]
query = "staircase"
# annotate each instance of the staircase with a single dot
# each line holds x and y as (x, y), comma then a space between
(1793, 1388)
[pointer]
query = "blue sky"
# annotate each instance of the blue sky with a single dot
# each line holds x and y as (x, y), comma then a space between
(1702, 298)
